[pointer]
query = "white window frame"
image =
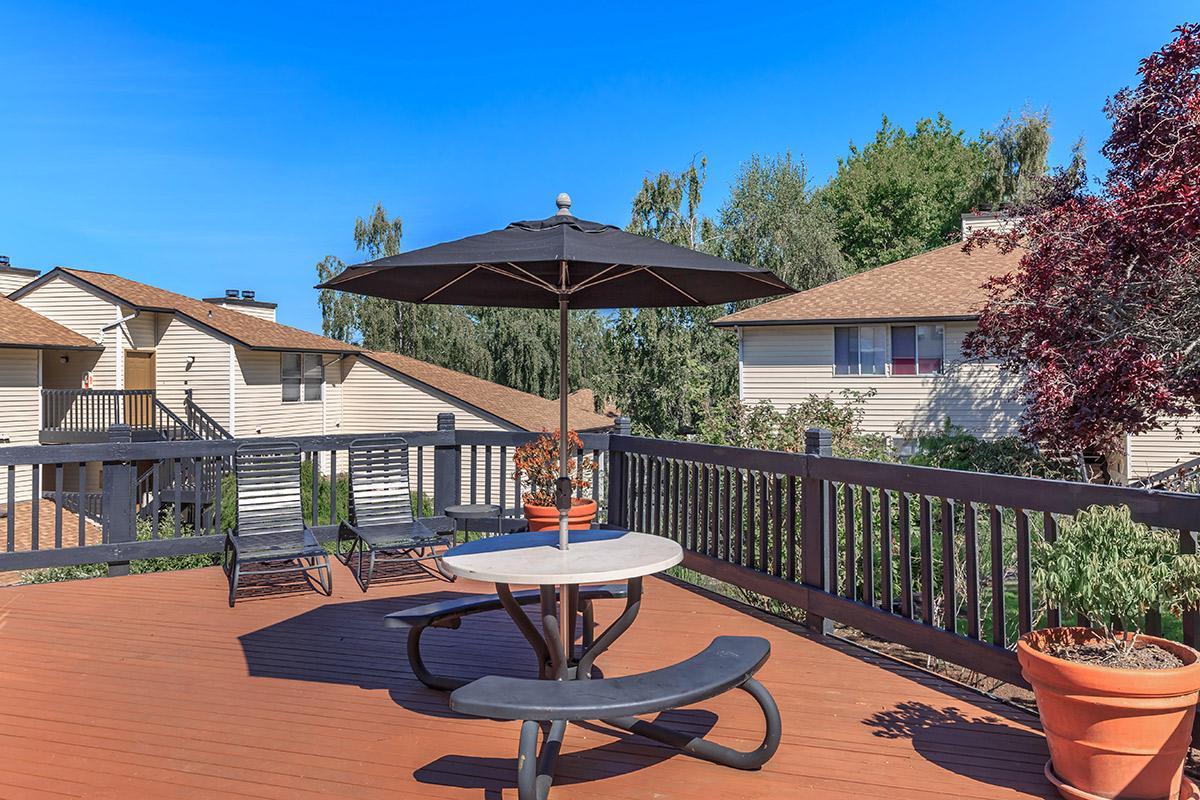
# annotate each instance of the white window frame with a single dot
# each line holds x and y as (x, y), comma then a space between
(888, 372)
(302, 357)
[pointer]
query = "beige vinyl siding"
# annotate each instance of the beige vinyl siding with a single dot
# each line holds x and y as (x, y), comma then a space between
(1176, 442)
(20, 408)
(258, 398)
(86, 314)
(262, 312)
(786, 364)
(376, 400)
(207, 377)
(10, 281)
(141, 332)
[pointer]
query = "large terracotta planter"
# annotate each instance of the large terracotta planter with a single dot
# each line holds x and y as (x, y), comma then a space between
(545, 518)
(1113, 733)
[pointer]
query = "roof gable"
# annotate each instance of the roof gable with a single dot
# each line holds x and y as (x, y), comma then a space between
(252, 332)
(945, 283)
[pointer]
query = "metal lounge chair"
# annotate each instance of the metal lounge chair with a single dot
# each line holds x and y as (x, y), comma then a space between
(270, 522)
(381, 526)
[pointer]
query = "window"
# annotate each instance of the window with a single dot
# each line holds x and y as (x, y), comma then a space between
(917, 349)
(302, 376)
(859, 350)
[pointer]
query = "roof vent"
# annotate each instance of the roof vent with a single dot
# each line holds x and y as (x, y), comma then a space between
(247, 294)
(231, 294)
(4, 262)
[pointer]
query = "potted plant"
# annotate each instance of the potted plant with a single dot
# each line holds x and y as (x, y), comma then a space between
(537, 465)
(1116, 704)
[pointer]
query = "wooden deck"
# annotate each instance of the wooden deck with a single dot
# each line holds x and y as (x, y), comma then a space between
(149, 686)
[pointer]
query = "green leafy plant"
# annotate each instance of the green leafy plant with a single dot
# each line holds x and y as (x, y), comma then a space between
(1113, 570)
(953, 447)
(137, 567)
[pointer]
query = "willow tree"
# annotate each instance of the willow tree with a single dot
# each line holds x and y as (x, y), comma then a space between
(774, 221)
(667, 365)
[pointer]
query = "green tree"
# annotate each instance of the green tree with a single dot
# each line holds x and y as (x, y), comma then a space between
(666, 365)
(903, 192)
(1017, 152)
(772, 220)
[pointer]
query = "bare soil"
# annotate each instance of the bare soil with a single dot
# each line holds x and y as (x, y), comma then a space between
(1101, 654)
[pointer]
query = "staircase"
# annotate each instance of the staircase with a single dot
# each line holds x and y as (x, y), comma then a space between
(1182, 478)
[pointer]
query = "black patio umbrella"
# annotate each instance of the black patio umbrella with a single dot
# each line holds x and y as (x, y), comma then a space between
(562, 262)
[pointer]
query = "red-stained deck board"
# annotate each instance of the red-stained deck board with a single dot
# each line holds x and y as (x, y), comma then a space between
(148, 686)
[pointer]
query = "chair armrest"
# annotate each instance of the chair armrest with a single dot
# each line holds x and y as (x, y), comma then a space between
(231, 541)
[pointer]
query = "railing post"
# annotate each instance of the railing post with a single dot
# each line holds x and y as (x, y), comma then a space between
(815, 525)
(616, 475)
(118, 515)
(447, 467)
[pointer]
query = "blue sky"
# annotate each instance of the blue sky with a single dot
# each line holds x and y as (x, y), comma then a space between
(233, 147)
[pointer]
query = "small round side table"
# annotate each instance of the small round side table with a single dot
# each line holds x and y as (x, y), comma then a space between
(478, 511)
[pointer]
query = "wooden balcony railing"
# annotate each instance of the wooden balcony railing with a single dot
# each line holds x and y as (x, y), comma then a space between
(77, 415)
(936, 560)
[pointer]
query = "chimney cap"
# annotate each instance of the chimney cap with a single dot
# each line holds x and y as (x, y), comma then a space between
(4, 262)
(231, 294)
(247, 294)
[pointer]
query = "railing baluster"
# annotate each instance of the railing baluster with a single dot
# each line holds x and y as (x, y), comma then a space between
(333, 489)
(751, 528)
(726, 549)
(702, 496)
(83, 494)
(904, 514)
(694, 530)
(792, 566)
(11, 513)
(971, 548)
(739, 556)
(504, 482)
(996, 534)
(58, 504)
(314, 502)
(868, 546)
(714, 525)
(949, 597)
(777, 526)
(177, 515)
(925, 535)
(474, 474)
(832, 565)
(1050, 532)
(887, 594)
(35, 506)
(197, 488)
(1024, 582)
(851, 557)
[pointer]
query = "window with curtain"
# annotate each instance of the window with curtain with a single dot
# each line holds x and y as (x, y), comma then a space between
(302, 376)
(918, 349)
(859, 350)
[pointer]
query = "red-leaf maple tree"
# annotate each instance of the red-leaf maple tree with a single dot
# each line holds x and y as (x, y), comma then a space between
(1102, 316)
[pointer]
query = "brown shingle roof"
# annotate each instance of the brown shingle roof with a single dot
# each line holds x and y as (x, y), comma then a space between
(945, 283)
(519, 408)
(20, 327)
(252, 332)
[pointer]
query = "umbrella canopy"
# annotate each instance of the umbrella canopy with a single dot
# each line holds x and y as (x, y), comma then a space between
(562, 262)
(536, 264)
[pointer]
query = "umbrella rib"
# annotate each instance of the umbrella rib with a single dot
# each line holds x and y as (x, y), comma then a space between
(594, 280)
(673, 286)
(762, 280)
(535, 282)
(540, 281)
(447, 285)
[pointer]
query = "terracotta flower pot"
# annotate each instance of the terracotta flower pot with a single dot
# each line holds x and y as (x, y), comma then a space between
(545, 518)
(1113, 733)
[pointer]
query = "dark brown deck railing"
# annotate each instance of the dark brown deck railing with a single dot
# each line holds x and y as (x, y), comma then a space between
(73, 415)
(937, 560)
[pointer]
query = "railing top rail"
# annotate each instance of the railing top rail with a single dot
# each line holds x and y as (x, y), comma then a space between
(206, 418)
(99, 392)
(138, 451)
(776, 461)
(591, 441)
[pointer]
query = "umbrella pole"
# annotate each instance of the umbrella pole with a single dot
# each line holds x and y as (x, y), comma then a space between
(566, 626)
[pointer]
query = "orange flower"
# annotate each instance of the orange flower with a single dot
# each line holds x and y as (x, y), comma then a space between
(537, 466)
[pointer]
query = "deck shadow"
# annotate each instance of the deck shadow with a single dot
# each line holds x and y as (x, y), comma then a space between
(627, 753)
(983, 748)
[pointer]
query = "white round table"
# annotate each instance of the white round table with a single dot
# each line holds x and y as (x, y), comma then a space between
(592, 557)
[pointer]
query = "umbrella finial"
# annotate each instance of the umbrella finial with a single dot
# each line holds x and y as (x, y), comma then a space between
(563, 201)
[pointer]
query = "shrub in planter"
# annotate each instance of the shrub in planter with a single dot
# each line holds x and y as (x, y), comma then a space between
(537, 466)
(1116, 704)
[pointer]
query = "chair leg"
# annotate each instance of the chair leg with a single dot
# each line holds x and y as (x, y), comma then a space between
(370, 570)
(233, 582)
